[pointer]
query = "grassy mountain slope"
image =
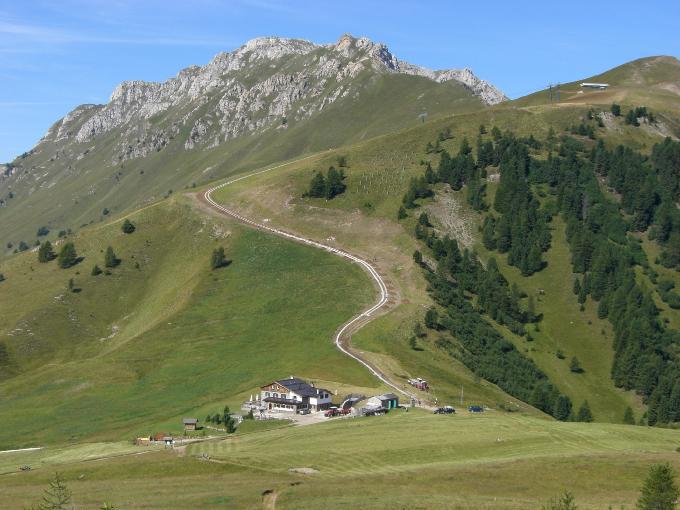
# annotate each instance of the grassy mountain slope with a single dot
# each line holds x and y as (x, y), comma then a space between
(650, 81)
(363, 219)
(134, 351)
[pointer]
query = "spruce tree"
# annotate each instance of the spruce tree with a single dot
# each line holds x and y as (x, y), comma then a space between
(401, 214)
(57, 496)
(584, 414)
(565, 501)
(96, 270)
(317, 188)
(424, 220)
(334, 183)
(110, 259)
(67, 256)
(431, 318)
(218, 258)
(417, 257)
(45, 252)
(616, 109)
(628, 417)
(575, 365)
(489, 233)
(128, 227)
(562, 409)
(659, 491)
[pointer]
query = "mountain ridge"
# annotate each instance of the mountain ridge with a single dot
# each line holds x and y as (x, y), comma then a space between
(190, 83)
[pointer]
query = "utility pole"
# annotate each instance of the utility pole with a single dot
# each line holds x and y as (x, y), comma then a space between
(461, 394)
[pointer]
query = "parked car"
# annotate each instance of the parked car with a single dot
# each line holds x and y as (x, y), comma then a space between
(445, 410)
(304, 411)
(476, 409)
(330, 413)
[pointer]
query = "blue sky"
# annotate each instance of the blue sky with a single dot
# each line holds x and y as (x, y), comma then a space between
(55, 55)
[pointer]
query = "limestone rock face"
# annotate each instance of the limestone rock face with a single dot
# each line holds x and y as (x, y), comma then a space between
(259, 86)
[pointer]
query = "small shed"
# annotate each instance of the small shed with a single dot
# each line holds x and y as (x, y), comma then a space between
(384, 401)
(168, 440)
(190, 423)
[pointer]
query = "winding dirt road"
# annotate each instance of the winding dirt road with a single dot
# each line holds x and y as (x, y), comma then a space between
(343, 335)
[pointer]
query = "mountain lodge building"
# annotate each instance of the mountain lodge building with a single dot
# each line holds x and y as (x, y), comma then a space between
(293, 394)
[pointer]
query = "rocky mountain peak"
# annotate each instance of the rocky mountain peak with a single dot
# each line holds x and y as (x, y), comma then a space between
(261, 85)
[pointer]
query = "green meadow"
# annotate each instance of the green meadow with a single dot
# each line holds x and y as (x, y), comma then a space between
(134, 351)
(403, 460)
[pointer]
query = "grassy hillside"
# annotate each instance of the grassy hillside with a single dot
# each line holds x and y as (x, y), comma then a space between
(650, 81)
(68, 188)
(134, 351)
(363, 219)
(420, 460)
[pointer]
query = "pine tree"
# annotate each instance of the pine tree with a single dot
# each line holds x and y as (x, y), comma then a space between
(218, 258)
(531, 309)
(431, 318)
(45, 252)
(562, 409)
(659, 491)
(57, 496)
(67, 256)
(128, 227)
(575, 365)
(631, 118)
(628, 417)
(564, 502)
(110, 259)
(616, 110)
(489, 233)
(584, 414)
(417, 257)
(401, 214)
(534, 261)
(96, 270)
(430, 176)
(418, 330)
(334, 183)
(424, 220)
(317, 188)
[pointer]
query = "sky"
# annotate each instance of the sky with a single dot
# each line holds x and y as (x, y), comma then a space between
(55, 55)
